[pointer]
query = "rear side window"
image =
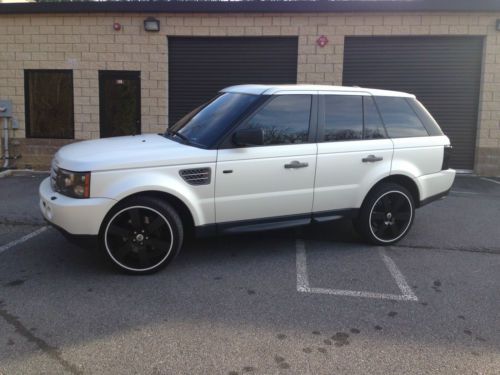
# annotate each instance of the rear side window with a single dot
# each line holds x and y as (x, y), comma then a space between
(284, 119)
(399, 118)
(430, 124)
(343, 118)
(374, 128)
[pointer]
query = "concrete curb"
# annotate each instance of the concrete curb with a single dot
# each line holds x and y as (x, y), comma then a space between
(17, 172)
(5, 173)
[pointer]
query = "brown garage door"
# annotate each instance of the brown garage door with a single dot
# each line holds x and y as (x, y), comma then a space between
(200, 66)
(444, 73)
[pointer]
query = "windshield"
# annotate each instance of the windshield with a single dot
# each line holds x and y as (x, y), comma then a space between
(207, 123)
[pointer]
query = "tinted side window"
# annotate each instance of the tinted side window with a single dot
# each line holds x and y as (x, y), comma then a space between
(399, 118)
(343, 118)
(374, 128)
(284, 119)
(430, 124)
(207, 123)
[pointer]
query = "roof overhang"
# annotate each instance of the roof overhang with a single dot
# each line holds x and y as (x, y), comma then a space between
(253, 6)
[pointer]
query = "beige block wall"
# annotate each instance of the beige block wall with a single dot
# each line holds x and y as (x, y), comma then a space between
(88, 43)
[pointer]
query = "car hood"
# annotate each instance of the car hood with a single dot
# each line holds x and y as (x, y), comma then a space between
(137, 151)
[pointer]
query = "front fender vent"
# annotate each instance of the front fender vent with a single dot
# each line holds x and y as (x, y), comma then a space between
(196, 176)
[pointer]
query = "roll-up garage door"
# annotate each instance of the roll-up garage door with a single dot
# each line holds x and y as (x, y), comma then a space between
(200, 66)
(443, 72)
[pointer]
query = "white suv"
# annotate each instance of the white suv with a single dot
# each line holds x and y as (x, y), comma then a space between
(255, 157)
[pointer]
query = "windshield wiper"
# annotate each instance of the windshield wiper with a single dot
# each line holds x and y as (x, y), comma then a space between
(177, 134)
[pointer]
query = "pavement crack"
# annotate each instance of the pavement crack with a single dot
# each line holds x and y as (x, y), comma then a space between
(52, 351)
(22, 222)
(483, 250)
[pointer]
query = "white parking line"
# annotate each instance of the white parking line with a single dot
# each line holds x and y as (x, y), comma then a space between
(398, 276)
(490, 180)
(464, 192)
(22, 239)
(304, 286)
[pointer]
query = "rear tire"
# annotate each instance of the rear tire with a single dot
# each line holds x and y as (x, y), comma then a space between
(386, 215)
(141, 235)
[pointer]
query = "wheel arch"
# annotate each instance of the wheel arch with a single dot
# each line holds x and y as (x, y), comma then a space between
(181, 207)
(402, 180)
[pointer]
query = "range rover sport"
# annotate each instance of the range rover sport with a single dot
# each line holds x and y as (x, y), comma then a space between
(255, 157)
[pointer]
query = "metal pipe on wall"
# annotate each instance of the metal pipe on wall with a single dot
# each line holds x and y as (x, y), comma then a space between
(6, 142)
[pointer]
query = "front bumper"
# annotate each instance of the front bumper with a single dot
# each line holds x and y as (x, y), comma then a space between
(72, 215)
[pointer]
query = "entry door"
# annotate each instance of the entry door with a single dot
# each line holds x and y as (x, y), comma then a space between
(120, 103)
(275, 180)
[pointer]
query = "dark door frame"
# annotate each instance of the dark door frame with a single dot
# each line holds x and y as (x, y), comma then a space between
(118, 74)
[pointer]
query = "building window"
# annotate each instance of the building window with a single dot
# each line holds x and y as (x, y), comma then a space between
(49, 103)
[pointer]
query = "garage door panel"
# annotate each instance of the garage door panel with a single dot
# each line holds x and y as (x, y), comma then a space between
(443, 72)
(200, 66)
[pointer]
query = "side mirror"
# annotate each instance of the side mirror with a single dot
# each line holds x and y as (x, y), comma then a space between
(249, 137)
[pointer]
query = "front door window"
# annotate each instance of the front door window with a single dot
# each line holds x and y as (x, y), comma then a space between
(284, 119)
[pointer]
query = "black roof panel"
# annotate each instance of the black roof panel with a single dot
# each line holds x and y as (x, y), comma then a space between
(252, 6)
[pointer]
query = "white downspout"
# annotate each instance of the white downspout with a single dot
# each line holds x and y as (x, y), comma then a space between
(6, 142)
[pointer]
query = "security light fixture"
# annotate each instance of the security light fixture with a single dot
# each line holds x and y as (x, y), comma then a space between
(152, 24)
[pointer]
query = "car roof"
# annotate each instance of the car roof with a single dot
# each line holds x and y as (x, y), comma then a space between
(289, 89)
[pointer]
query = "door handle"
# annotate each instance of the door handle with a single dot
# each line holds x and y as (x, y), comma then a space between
(296, 164)
(372, 159)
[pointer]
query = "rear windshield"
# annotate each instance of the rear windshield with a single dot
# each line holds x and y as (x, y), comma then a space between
(206, 124)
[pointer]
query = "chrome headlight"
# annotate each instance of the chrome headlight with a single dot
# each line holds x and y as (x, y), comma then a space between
(71, 184)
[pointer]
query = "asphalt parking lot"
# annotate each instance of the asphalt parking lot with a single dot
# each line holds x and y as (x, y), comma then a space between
(310, 301)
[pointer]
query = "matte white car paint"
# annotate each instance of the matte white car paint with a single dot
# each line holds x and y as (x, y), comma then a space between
(77, 216)
(259, 185)
(129, 152)
(342, 178)
(418, 156)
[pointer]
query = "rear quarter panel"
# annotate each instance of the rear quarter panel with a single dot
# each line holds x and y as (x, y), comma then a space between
(418, 156)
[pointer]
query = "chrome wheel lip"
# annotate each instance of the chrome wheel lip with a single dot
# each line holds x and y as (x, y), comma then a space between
(407, 225)
(131, 268)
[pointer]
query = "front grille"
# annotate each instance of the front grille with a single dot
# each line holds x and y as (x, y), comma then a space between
(196, 176)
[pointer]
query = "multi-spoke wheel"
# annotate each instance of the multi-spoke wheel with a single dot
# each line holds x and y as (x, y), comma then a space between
(142, 235)
(386, 215)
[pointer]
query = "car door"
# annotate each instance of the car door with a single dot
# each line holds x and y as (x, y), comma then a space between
(274, 181)
(353, 152)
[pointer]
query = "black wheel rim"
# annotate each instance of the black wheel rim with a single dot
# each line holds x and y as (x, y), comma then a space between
(138, 238)
(391, 216)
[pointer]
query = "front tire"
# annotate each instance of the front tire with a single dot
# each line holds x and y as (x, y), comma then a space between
(386, 215)
(141, 235)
